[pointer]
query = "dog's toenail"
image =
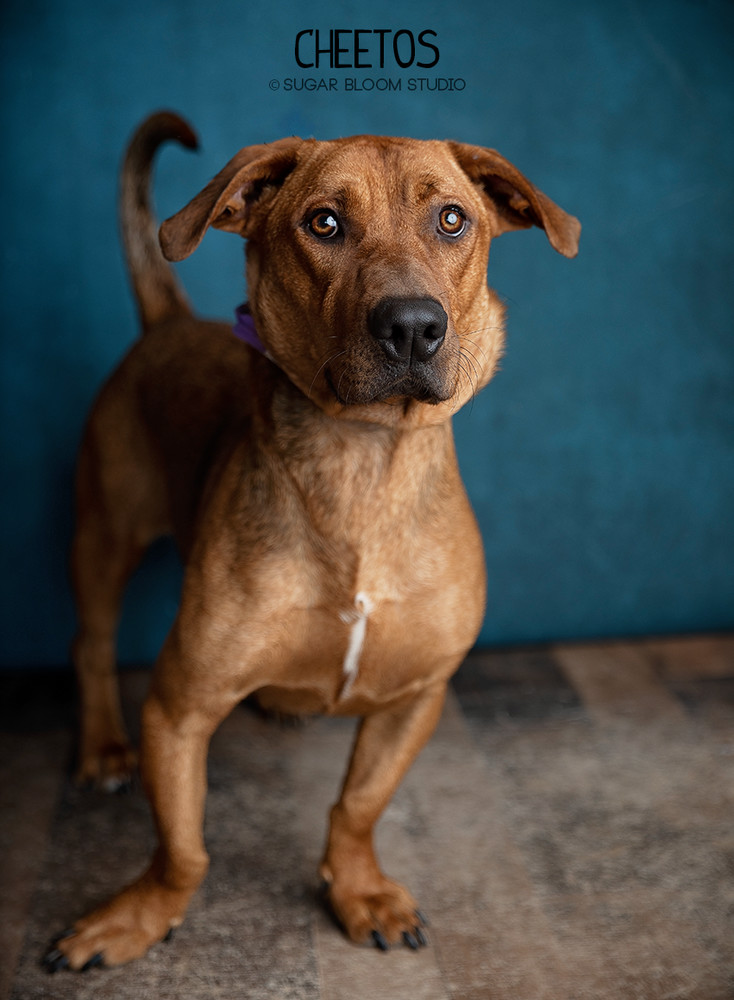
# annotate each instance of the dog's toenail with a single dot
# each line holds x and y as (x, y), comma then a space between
(410, 941)
(55, 960)
(380, 941)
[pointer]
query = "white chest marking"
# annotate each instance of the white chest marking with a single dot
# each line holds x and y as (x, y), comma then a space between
(363, 607)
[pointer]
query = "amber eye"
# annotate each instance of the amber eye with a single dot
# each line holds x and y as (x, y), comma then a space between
(324, 224)
(451, 221)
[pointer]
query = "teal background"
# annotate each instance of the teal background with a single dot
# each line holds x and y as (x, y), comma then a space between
(601, 459)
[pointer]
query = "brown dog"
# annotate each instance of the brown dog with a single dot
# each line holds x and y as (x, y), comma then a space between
(333, 563)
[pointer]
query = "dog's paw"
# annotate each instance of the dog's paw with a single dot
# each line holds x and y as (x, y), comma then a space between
(120, 931)
(110, 768)
(384, 917)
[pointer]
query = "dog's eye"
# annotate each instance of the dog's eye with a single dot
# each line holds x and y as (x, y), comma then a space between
(451, 221)
(324, 224)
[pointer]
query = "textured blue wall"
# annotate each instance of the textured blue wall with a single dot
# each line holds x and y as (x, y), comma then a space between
(601, 459)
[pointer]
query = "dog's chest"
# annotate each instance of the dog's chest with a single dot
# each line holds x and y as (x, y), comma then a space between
(349, 586)
(404, 623)
(352, 658)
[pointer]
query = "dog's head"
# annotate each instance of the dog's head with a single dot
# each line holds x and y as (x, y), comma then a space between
(367, 261)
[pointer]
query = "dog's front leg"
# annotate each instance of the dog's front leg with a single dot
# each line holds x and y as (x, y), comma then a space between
(174, 745)
(370, 906)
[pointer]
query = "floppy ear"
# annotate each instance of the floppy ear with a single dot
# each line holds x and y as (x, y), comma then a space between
(227, 200)
(518, 204)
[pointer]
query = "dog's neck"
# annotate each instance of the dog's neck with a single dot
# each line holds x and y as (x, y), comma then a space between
(244, 329)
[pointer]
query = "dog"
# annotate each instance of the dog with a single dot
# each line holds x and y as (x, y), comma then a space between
(306, 468)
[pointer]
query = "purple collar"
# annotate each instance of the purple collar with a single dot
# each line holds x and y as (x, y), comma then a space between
(244, 329)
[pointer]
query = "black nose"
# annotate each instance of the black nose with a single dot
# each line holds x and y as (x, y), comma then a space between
(408, 329)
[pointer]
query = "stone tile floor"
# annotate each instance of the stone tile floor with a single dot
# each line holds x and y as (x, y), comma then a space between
(569, 831)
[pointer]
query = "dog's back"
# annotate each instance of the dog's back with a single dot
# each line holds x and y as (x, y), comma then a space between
(177, 403)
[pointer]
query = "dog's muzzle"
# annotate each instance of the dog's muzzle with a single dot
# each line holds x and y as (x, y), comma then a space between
(402, 357)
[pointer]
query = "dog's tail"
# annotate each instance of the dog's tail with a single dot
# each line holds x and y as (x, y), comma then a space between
(157, 290)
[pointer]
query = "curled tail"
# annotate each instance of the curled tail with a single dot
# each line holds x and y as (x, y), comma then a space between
(158, 293)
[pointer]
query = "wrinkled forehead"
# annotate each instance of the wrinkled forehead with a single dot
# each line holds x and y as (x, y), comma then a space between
(384, 169)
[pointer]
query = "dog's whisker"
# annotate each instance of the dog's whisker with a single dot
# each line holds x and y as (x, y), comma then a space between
(330, 359)
(467, 355)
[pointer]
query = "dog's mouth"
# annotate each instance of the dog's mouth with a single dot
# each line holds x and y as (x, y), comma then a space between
(421, 383)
